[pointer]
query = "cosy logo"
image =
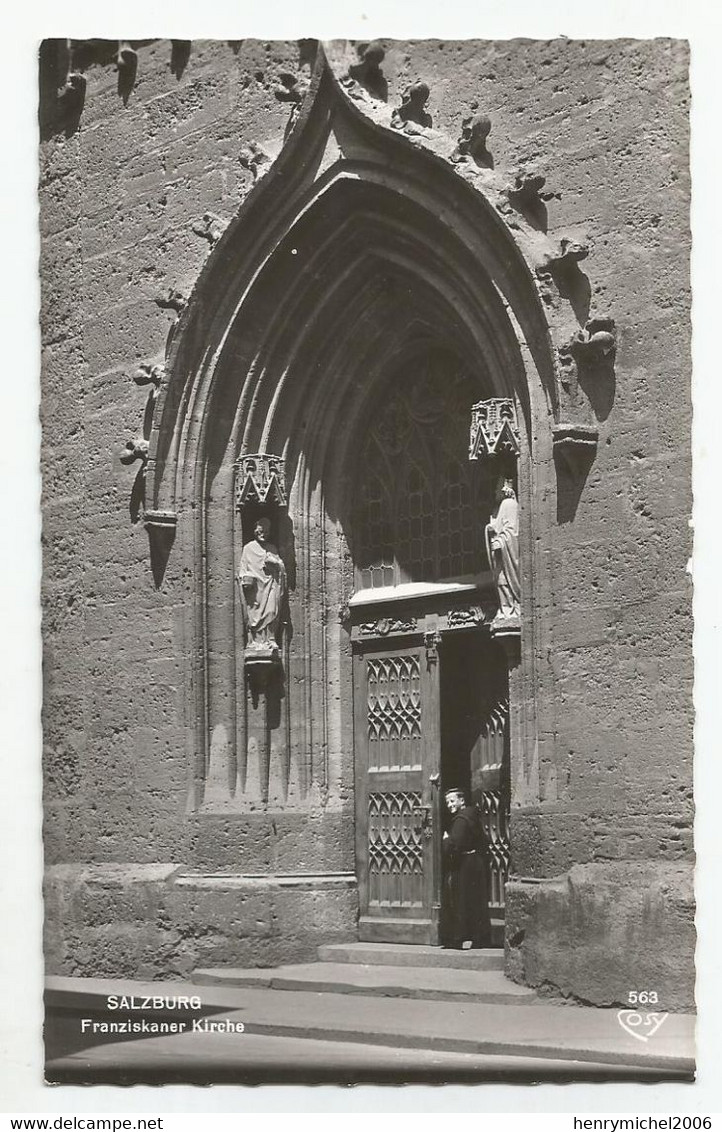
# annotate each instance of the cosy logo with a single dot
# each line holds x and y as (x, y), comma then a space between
(642, 1026)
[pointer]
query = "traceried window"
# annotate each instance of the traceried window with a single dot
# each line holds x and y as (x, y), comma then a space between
(420, 505)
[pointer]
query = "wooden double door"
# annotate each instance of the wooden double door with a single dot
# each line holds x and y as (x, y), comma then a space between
(430, 712)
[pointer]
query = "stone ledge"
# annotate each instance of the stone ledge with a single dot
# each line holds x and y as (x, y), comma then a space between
(162, 920)
(254, 881)
(119, 875)
(114, 875)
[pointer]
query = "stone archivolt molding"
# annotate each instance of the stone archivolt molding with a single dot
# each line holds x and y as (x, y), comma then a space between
(523, 279)
(202, 325)
(357, 244)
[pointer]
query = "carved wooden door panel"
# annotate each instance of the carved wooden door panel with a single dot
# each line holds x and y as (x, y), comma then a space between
(475, 744)
(490, 787)
(396, 741)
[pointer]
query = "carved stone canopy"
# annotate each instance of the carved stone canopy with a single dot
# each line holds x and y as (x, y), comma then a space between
(494, 428)
(260, 478)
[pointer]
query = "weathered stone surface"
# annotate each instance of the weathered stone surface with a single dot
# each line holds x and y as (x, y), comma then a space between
(603, 930)
(158, 922)
(607, 708)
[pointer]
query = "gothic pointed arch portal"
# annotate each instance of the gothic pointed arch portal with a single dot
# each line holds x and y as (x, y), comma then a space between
(322, 374)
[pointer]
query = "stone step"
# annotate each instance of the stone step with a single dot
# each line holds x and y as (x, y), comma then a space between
(431, 983)
(412, 955)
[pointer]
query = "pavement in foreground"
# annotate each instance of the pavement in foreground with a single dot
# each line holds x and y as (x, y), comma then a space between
(302, 1036)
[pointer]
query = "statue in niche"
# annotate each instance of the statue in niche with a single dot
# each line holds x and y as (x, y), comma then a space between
(502, 548)
(262, 580)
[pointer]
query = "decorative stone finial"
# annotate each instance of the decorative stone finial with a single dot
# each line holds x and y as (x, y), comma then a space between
(135, 450)
(601, 336)
(475, 129)
(172, 300)
(366, 75)
(372, 55)
(126, 64)
(253, 158)
(412, 108)
(149, 374)
(529, 188)
(72, 96)
(569, 254)
(210, 227)
(592, 347)
(291, 89)
(126, 58)
(288, 88)
(180, 53)
(526, 195)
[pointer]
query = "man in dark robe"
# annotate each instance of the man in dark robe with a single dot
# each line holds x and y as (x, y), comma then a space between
(465, 861)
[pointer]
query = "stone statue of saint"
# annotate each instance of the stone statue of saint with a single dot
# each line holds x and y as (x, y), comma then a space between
(502, 547)
(262, 578)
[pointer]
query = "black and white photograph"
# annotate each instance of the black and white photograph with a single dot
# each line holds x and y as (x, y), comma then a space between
(367, 601)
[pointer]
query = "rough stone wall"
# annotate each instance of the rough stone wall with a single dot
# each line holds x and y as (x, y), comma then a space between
(120, 197)
(605, 929)
(124, 185)
(152, 921)
(606, 124)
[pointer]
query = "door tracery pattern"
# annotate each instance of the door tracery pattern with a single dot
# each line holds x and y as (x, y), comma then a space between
(395, 849)
(490, 791)
(394, 698)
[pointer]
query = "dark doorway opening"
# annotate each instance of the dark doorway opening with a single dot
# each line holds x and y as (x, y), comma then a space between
(474, 697)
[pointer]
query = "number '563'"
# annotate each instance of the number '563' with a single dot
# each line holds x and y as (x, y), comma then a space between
(643, 997)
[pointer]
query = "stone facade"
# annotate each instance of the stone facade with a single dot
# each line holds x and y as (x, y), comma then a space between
(238, 238)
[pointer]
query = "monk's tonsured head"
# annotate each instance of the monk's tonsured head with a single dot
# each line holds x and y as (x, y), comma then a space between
(455, 799)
